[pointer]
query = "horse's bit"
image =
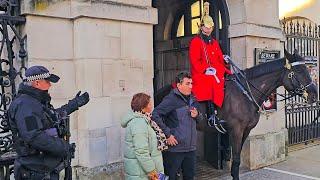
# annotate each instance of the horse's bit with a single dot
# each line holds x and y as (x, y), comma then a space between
(300, 89)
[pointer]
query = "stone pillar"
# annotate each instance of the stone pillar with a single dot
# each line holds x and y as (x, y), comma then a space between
(103, 47)
(253, 25)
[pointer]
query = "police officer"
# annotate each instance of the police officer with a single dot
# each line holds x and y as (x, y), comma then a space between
(207, 64)
(31, 118)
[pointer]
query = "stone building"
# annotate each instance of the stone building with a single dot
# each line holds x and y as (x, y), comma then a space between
(116, 48)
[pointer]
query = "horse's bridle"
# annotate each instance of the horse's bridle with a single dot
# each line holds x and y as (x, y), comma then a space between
(298, 88)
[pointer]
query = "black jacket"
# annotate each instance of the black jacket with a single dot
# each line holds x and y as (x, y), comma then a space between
(30, 115)
(174, 118)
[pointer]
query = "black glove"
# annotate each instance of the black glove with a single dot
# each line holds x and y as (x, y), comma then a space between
(75, 103)
(82, 99)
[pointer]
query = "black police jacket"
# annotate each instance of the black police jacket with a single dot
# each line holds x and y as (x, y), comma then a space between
(30, 115)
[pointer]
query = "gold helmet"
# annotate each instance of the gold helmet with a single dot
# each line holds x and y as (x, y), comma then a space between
(206, 19)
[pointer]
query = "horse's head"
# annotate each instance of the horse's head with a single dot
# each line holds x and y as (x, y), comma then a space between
(297, 79)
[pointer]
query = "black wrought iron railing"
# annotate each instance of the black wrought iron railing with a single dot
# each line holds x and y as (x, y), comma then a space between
(302, 120)
(13, 57)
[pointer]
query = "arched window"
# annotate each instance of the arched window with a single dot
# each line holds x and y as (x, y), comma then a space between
(194, 12)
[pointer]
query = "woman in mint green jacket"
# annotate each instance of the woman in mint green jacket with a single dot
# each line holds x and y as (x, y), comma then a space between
(143, 141)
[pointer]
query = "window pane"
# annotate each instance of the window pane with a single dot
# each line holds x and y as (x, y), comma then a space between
(180, 31)
(195, 9)
(195, 23)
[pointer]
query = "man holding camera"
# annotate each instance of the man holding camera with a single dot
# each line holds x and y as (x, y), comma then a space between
(33, 121)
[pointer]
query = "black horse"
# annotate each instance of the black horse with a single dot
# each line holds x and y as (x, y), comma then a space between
(242, 114)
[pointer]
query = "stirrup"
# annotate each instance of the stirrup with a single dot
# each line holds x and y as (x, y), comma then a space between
(212, 122)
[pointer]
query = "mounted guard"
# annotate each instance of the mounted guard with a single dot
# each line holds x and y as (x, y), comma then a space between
(207, 68)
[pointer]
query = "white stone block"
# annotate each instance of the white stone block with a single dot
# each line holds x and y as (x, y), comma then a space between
(92, 151)
(116, 11)
(49, 38)
(132, 45)
(247, 29)
(120, 106)
(236, 11)
(113, 144)
(238, 51)
(89, 76)
(56, 8)
(96, 114)
(119, 79)
(263, 150)
(136, 80)
(268, 9)
(96, 38)
(250, 11)
(148, 74)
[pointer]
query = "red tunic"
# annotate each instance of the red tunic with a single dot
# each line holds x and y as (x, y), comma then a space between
(205, 87)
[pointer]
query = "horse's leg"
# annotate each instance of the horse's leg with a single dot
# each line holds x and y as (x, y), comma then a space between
(244, 137)
(236, 136)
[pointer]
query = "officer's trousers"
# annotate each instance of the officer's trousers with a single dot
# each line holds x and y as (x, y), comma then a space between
(21, 173)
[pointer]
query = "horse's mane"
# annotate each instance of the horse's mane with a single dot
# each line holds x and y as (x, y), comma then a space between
(264, 68)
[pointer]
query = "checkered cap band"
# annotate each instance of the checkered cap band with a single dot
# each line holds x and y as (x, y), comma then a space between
(38, 77)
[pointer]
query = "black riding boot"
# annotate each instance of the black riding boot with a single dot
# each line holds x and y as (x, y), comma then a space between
(213, 119)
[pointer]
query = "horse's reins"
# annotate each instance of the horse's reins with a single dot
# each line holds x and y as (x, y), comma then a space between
(237, 71)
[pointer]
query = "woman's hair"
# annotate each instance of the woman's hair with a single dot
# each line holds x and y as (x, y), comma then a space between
(139, 101)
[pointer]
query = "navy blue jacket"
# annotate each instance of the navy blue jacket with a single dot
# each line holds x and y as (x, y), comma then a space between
(30, 115)
(174, 118)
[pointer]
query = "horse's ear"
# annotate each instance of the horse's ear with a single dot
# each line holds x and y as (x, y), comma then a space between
(288, 55)
(297, 56)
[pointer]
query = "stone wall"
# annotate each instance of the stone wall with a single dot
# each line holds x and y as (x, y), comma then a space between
(100, 46)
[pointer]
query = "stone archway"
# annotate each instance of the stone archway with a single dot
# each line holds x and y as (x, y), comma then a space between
(177, 24)
(171, 46)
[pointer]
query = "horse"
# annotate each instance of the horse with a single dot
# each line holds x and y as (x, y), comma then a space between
(241, 113)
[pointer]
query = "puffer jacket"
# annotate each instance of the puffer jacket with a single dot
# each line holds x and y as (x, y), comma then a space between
(141, 155)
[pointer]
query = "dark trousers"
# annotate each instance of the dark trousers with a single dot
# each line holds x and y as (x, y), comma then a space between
(173, 161)
(21, 173)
